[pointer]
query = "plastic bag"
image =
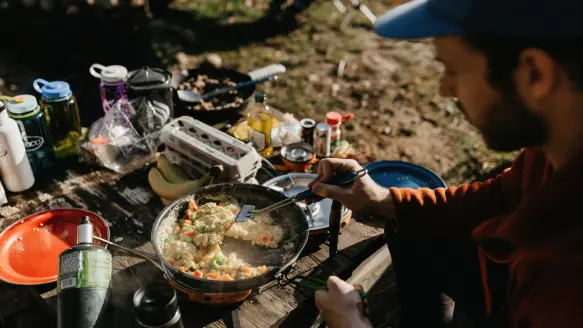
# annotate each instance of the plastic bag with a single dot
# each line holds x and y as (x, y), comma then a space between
(115, 143)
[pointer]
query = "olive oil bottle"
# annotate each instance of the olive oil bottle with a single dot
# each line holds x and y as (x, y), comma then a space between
(261, 121)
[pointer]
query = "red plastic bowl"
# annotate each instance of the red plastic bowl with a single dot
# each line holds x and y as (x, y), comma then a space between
(30, 248)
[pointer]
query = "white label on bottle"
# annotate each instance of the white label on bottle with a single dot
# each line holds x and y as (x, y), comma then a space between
(71, 263)
(68, 283)
(258, 140)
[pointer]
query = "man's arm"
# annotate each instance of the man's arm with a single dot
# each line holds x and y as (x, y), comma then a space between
(455, 211)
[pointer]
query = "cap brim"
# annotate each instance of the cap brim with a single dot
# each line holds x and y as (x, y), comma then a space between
(414, 20)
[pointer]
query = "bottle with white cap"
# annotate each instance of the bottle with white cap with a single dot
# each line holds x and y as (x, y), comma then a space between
(112, 86)
(14, 166)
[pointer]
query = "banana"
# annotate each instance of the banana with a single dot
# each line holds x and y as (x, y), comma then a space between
(165, 201)
(171, 173)
(169, 190)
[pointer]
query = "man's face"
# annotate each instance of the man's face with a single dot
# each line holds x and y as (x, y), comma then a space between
(503, 119)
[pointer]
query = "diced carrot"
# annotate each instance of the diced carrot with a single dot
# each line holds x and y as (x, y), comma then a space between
(182, 269)
(187, 222)
(227, 277)
(191, 233)
(231, 271)
(213, 275)
(198, 274)
(192, 205)
(246, 270)
(262, 269)
(171, 261)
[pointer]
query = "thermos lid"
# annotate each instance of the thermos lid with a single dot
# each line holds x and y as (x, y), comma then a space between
(22, 104)
(112, 73)
(52, 90)
(148, 78)
(156, 305)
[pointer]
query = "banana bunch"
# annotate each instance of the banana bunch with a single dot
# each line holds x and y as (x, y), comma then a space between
(170, 182)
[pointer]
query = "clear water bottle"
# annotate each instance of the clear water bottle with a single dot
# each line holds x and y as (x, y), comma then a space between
(112, 86)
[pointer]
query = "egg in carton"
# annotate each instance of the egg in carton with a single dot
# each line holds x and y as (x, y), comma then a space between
(201, 146)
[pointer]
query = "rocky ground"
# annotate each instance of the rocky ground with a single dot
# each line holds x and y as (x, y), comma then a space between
(390, 86)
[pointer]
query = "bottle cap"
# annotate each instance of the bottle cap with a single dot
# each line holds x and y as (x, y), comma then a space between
(52, 90)
(334, 118)
(260, 97)
(22, 104)
(112, 73)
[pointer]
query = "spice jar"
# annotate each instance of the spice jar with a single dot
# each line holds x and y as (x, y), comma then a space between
(334, 120)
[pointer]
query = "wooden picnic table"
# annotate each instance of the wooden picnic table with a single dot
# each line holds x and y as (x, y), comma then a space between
(130, 208)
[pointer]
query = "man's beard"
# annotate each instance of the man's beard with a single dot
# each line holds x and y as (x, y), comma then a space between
(510, 125)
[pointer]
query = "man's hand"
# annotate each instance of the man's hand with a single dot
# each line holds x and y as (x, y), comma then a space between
(363, 196)
(341, 305)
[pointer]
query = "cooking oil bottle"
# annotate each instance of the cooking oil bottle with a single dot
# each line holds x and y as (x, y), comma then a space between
(84, 283)
(261, 121)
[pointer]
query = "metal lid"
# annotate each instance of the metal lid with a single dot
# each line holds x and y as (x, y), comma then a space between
(148, 78)
(112, 73)
(403, 175)
(298, 152)
(85, 231)
(22, 104)
(318, 214)
(52, 90)
(322, 127)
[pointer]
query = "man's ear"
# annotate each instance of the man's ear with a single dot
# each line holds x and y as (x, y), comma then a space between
(536, 76)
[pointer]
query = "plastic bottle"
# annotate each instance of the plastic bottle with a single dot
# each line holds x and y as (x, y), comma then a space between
(62, 115)
(261, 120)
(32, 122)
(84, 283)
(14, 165)
(112, 86)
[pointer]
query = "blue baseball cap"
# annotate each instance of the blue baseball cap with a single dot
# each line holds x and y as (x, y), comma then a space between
(531, 19)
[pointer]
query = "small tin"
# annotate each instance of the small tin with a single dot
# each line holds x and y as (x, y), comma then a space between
(322, 139)
(308, 126)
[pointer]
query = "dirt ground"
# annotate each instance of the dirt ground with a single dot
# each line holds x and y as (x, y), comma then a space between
(390, 86)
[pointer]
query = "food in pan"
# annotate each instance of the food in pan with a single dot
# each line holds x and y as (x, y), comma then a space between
(194, 244)
(204, 84)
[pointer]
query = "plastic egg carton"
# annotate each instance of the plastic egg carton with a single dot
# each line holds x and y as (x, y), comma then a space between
(197, 147)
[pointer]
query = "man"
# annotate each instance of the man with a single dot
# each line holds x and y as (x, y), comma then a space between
(508, 251)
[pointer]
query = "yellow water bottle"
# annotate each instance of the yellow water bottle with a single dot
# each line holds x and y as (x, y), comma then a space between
(261, 121)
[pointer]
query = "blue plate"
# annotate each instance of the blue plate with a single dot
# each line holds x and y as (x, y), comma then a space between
(403, 175)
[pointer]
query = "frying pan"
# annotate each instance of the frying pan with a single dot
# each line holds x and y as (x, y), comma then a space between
(290, 218)
(213, 116)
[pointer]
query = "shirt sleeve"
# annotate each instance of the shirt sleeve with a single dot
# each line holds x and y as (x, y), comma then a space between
(454, 212)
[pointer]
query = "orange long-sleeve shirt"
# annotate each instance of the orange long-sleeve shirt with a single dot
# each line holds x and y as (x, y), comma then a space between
(529, 217)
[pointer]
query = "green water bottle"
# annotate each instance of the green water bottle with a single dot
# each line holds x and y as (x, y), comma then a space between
(33, 126)
(62, 114)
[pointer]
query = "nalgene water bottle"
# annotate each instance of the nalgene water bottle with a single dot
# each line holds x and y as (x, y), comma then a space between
(62, 115)
(112, 86)
(33, 126)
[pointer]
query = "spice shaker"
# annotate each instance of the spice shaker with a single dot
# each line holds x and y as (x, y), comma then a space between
(322, 137)
(112, 86)
(335, 119)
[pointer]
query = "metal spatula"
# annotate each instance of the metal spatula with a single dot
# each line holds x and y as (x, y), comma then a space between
(342, 179)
